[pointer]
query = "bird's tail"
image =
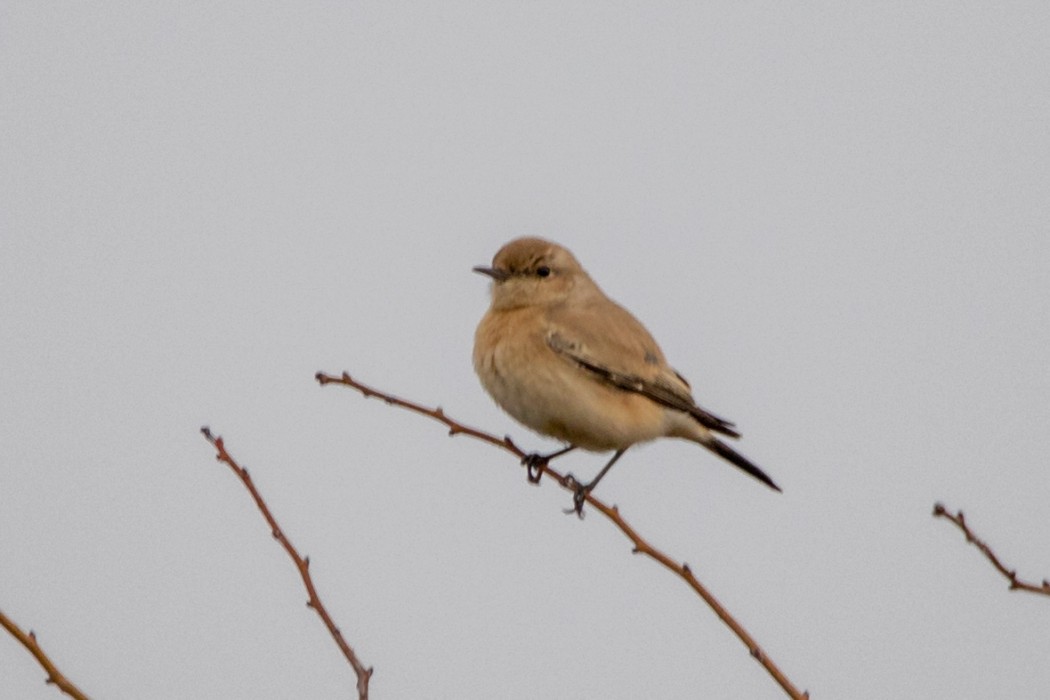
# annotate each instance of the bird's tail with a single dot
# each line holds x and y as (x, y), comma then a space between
(738, 460)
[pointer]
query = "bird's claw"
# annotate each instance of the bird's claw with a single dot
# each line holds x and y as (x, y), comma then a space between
(535, 464)
(579, 496)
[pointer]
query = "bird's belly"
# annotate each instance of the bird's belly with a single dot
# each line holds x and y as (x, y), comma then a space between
(557, 399)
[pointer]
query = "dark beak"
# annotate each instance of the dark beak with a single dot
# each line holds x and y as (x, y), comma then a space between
(498, 275)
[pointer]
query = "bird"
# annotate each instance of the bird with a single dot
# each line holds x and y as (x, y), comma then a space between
(568, 362)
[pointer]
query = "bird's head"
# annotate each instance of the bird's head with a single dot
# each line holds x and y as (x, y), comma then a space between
(533, 272)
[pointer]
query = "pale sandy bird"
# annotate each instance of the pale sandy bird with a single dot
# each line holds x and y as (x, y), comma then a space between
(569, 362)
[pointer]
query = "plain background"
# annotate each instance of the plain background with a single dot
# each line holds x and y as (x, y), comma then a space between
(834, 217)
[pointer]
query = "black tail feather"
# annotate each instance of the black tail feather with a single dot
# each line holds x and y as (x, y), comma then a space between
(730, 455)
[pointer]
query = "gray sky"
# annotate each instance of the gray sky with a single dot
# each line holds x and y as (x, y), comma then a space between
(834, 219)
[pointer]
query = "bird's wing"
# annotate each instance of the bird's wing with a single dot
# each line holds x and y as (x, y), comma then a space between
(611, 345)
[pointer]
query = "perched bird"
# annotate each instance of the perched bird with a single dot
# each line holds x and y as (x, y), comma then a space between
(569, 362)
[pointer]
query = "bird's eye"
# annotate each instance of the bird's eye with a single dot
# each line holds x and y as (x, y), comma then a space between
(543, 271)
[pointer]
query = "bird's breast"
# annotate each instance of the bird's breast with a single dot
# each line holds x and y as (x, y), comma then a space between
(553, 396)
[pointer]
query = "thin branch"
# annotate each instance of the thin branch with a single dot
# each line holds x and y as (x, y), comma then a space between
(54, 676)
(1016, 584)
(641, 546)
(301, 563)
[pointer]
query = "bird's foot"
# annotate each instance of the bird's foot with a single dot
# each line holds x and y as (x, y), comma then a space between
(535, 464)
(579, 496)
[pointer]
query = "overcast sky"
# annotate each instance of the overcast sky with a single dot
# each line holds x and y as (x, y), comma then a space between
(834, 218)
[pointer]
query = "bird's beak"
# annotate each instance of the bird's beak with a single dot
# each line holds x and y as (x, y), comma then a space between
(498, 275)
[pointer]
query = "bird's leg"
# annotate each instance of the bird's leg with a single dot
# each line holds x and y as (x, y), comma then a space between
(580, 491)
(535, 463)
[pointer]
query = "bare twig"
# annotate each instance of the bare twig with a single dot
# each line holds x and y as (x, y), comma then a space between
(54, 676)
(301, 563)
(1016, 584)
(641, 546)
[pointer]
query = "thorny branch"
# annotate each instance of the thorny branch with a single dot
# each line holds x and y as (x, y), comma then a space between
(641, 546)
(301, 563)
(54, 676)
(939, 511)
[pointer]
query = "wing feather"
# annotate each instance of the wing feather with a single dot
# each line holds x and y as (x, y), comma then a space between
(614, 348)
